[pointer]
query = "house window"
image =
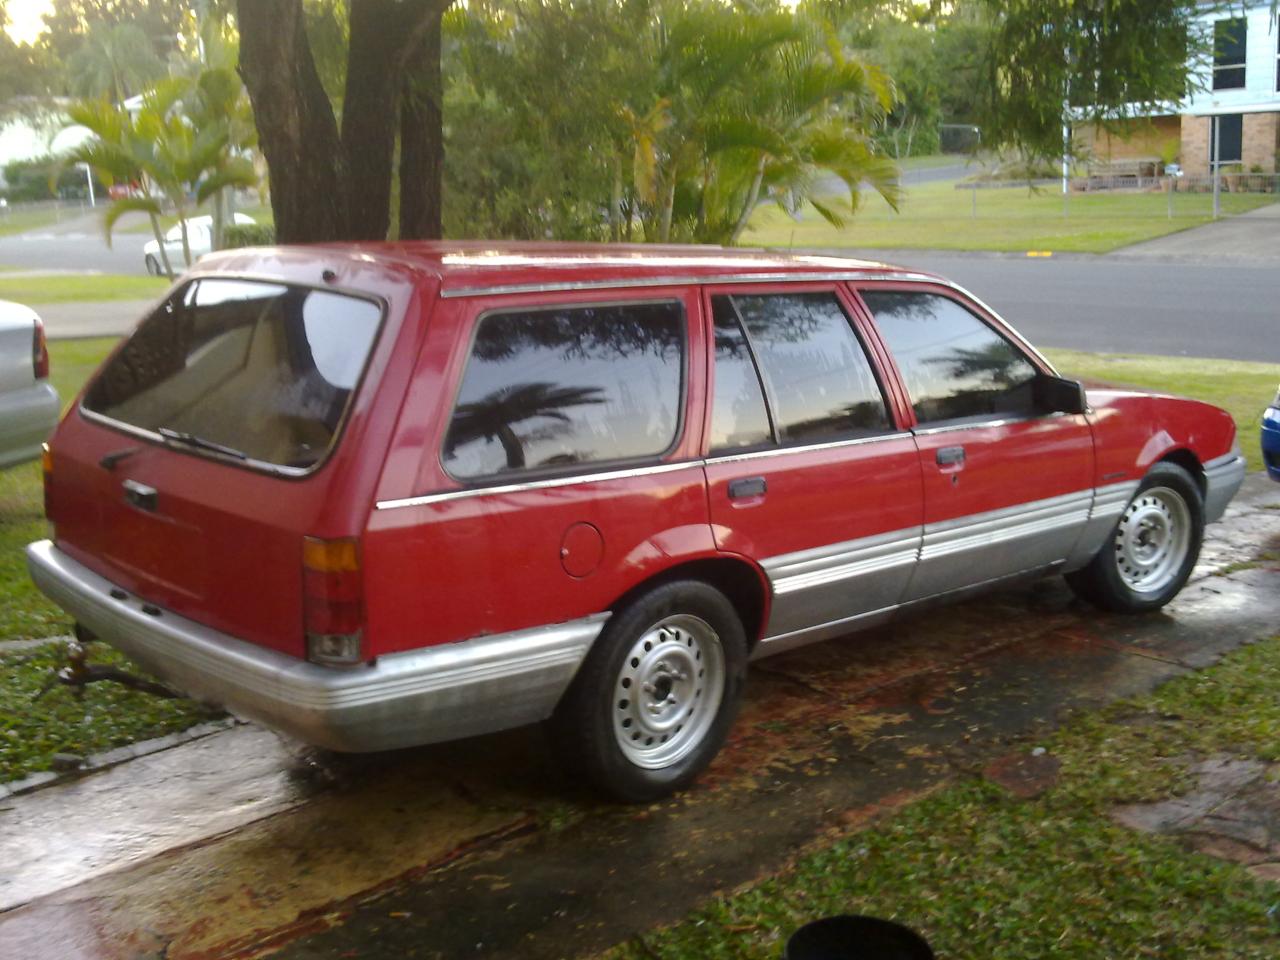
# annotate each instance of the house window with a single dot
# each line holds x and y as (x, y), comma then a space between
(1229, 53)
(1229, 139)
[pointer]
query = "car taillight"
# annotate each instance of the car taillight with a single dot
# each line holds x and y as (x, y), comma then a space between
(40, 352)
(333, 600)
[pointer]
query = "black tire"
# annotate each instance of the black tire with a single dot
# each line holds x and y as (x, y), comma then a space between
(1130, 576)
(153, 266)
(679, 641)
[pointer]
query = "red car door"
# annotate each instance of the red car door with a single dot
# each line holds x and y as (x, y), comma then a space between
(809, 471)
(1007, 486)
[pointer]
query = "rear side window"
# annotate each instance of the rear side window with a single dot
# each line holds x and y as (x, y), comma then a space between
(954, 365)
(819, 381)
(550, 388)
(257, 371)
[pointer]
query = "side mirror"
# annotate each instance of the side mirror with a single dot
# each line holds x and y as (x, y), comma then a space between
(1060, 395)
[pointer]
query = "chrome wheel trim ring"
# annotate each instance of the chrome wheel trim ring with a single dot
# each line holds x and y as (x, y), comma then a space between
(668, 691)
(1152, 540)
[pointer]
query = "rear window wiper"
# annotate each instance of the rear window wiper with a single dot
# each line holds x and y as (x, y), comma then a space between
(200, 443)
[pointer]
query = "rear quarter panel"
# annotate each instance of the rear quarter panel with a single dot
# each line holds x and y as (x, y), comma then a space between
(453, 569)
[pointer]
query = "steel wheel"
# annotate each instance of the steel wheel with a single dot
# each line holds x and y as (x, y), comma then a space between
(1152, 540)
(668, 691)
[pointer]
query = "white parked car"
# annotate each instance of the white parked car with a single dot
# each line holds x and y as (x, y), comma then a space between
(199, 241)
(28, 403)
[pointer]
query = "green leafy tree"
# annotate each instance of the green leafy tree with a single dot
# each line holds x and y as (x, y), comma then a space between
(1097, 61)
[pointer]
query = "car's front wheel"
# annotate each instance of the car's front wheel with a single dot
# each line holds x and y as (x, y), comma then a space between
(153, 266)
(1153, 548)
(653, 702)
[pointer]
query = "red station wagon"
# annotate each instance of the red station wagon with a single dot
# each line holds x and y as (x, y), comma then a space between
(382, 495)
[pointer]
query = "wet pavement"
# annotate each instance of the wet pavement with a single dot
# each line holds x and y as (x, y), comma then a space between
(239, 845)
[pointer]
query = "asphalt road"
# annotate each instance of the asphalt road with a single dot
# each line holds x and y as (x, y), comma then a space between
(1214, 307)
(1116, 305)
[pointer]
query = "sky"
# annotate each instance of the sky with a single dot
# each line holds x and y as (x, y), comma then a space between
(25, 21)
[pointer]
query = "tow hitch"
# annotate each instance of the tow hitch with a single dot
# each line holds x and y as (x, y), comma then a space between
(79, 673)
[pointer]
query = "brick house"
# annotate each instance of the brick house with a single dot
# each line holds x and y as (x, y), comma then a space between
(1240, 95)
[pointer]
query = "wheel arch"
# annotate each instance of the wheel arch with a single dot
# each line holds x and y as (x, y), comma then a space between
(1189, 462)
(741, 581)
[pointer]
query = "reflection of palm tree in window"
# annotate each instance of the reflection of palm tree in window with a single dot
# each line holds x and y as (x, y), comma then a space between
(990, 366)
(495, 416)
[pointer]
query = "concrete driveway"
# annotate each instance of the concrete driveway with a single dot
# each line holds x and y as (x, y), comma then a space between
(1252, 236)
(238, 845)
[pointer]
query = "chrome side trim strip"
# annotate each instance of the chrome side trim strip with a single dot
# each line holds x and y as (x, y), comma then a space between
(1001, 526)
(979, 425)
(842, 561)
(427, 695)
(1110, 501)
(807, 448)
(548, 484)
(552, 482)
(782, 642)
(676, 280)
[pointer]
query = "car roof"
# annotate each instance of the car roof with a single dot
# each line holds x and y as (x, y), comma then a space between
(469, 267)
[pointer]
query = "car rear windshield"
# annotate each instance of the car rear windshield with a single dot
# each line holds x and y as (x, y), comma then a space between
(250, 370)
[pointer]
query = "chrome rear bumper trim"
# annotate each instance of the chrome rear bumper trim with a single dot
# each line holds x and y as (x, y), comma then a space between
(434, 694)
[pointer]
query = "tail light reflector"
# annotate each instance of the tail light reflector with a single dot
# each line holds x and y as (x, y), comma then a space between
(39, 352)
(333, 600)
(46, 473)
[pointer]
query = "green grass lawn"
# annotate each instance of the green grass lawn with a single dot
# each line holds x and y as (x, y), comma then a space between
(1240, 387)
(17, 219)
(109, 715)
(71, 287)
(985, 876)
(24, 612)
(938, 216)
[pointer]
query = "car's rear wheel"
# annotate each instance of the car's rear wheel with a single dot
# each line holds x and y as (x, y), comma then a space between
(1153, 548)
(153, 266)
(653, 702)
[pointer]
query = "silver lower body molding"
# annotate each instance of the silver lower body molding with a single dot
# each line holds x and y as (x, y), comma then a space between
(422, 696)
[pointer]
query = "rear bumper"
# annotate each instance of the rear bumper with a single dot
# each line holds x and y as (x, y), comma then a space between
(1271, 441)
(27, 417)
(423, 696)
(1222, 478)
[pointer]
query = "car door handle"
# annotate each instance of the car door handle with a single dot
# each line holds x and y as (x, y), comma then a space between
(949, 456)
(747, 487)
(139, 495)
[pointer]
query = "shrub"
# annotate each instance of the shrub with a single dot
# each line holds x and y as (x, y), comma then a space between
(248, 235)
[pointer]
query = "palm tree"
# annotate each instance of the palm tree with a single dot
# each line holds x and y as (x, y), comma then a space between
(159, 148)
(115, 61)
(495, 416)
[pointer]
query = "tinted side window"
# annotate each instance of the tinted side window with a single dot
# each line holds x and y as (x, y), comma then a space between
(820, 381)
(550, 388)
(954, 365)
(738, 415)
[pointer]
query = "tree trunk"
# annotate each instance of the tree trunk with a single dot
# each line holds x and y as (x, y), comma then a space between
(296, 128)
(164, 254)
(668, 205)
(615, 200)
(752, 199)
(422, 142)
(369, 111)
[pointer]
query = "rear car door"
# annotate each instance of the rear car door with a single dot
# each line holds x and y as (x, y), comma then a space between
(808, 470)
(1007, 486)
